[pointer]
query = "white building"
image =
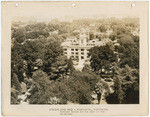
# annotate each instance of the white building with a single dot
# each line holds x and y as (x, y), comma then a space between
(78, 49)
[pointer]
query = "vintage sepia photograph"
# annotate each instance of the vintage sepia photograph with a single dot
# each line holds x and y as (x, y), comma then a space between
(75, 58)
(75, 61)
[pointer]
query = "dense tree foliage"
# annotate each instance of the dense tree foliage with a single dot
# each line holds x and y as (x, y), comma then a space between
(15, 82)
(126, 67)
(32, 51)
(75, 89)
(102, 28)
(101, 57)
(126, 88)
(129, 51)
(15, 89)
(37, 59)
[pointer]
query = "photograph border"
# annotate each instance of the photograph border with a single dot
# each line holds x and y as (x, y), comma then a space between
(9, 11)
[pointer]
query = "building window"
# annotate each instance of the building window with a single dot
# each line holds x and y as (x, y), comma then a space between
(82, 49)
(65, 49)
(82, 57)
(76, 49)
(72, 49)
(65, 52)
(72, 52)
(82, 53)
(88, 55)
(76, 52)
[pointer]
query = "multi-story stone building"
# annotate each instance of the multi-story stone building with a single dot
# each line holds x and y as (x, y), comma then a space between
(78, 48)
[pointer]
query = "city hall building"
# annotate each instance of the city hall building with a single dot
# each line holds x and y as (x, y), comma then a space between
(78, 48)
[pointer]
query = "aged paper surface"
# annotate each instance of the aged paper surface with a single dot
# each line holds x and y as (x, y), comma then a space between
(45, 11)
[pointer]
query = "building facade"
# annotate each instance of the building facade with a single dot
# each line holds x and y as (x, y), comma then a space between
(78, 48)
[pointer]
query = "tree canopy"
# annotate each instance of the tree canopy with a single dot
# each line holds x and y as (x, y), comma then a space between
(101, 57)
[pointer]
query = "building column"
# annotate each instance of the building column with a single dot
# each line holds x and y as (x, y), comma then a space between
(68, 52)
(79, 54)
(85, 54)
